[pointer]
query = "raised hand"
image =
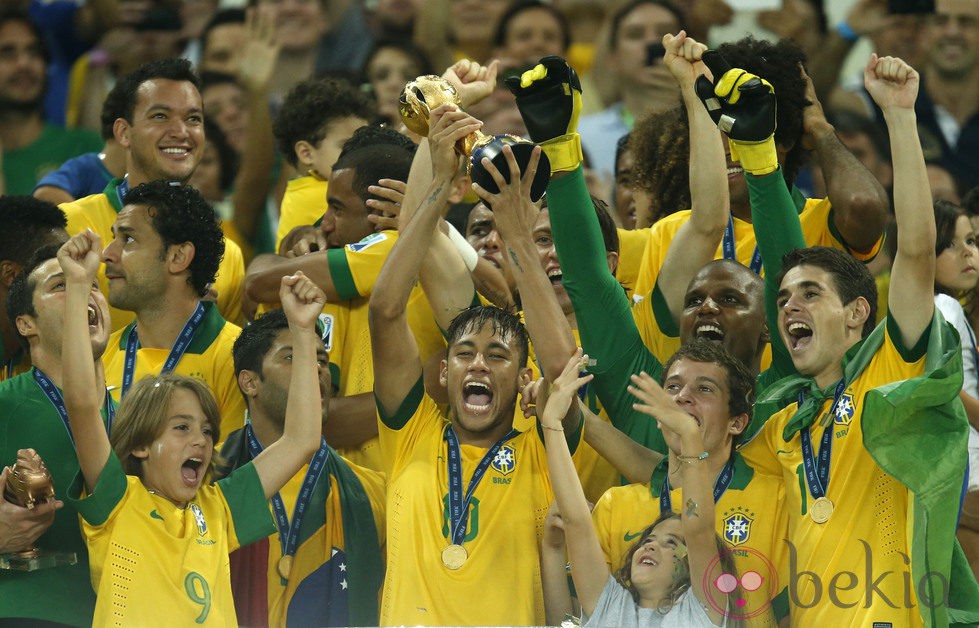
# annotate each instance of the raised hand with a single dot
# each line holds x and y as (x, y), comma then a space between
(261, 51)
(80, 257)
(512, 203)
(386, 209)
(302, 300)
(562, 391)
(530, 394)
(891, 82)
(448, 124)
(684, 58)
(472, 81)
(655, 402)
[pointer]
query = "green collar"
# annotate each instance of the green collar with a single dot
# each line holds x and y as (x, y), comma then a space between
(111, 192)
(210, 327)
(739, 482)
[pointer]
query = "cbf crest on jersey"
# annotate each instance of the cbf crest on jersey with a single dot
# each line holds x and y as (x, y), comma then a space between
(844, 410)
(737, 525)
(199, 519)
(505, 460)
(325, 328)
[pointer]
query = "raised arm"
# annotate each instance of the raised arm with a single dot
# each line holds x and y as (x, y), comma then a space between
(893, 84)
(80, 258)
(302, 302)
(516, 216)
(255, 73)
(696, 242)
(859, 200)
(697, 512)
(588, 568)
(397, 365)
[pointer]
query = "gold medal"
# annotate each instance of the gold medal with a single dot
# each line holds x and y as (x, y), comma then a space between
(454, 556)
(285, 566)
(821, 510)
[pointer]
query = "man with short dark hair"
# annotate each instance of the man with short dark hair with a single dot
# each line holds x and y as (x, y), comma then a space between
(165, 250)
(324, 566)
(31, 146)
(34, 417)
(161, 128)
(29, 225)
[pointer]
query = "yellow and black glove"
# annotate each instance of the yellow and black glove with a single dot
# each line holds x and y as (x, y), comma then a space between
(743, 107)
(549, 99)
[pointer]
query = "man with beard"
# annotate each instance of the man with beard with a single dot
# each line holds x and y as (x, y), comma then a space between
(31, 146)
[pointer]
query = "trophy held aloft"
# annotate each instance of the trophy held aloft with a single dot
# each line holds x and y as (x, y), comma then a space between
(425, 93)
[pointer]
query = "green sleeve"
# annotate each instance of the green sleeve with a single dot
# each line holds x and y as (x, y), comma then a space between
(96, 507)
(343, 279)
(605, 325)
(775, 219)
(246, 500)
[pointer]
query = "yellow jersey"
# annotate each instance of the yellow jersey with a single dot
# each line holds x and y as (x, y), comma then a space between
(98, 213)
(867, 535)
(500, 582)
(818, 229)
(151, 560)
(632, 247)
(303, 203)
(354, 270)
(749, 517)
(207, 358)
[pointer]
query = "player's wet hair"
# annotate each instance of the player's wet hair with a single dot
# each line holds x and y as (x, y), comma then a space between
(503, 324)
(851, 279)
(143, 414)
(256, 339)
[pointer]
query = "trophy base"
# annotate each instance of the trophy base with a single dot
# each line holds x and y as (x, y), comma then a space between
(35, 559)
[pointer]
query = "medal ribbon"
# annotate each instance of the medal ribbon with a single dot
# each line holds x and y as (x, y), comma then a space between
(289, 533)
(54, 396)
(729, 252)
(176, 352)
(817, 471)
(459, 506)
(720, 485)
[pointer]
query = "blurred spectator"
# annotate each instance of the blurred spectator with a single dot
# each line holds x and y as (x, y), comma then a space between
(222, 42)
(32, 147)
(148, 30)
(195, 15)
(635, 59)
(390, 65)
(448, 30)
(623, 196)
(89, 173)
(529, 30)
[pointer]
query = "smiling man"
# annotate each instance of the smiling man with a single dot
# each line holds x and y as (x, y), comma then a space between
(31, 419)
(162, 131)
(857, 502)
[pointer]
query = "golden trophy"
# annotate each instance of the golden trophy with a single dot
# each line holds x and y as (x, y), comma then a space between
(425, 93)
(28, 485)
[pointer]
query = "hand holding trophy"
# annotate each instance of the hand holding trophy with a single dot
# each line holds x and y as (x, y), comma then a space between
(425, 93)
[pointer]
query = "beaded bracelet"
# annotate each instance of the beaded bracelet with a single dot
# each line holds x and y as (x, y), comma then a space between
(692, 459)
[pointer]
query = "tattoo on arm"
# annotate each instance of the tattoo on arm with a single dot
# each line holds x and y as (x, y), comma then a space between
(691, 510)
(516, 262)
(435, 193)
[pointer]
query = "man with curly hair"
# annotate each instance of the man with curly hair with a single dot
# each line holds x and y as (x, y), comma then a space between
(162, 131)
(317, 117)
(853, 215)
(164, 253)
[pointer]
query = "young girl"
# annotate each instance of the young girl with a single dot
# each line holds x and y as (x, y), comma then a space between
(158, 531)
(956, 273)
(659, 584)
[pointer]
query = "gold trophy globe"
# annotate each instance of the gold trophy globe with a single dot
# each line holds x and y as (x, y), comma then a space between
(425, 93)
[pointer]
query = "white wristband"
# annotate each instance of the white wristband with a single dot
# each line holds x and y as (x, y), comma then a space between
(466, 250)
